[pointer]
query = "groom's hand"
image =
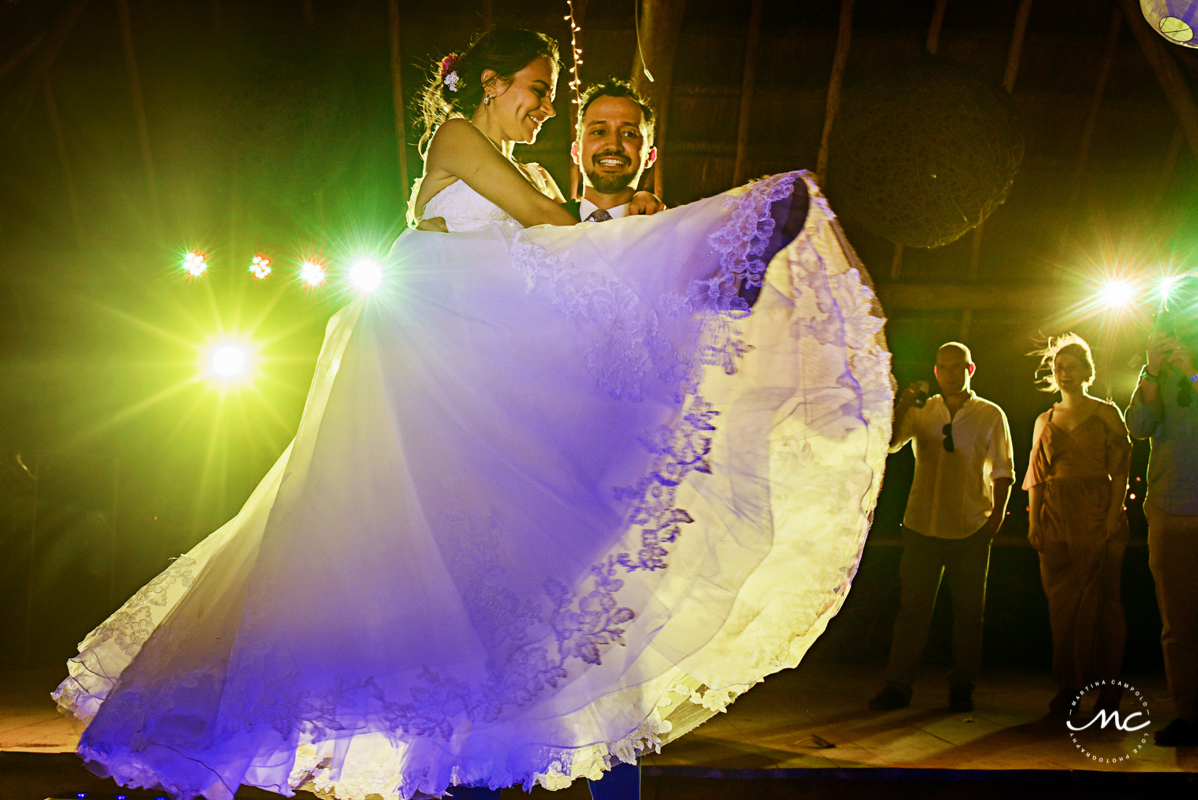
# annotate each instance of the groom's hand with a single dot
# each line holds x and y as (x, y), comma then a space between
(434, 224)
(645, 204)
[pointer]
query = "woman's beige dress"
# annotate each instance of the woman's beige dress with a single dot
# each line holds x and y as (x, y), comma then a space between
(1079, 565)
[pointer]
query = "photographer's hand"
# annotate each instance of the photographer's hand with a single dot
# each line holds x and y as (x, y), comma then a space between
(1157, 351)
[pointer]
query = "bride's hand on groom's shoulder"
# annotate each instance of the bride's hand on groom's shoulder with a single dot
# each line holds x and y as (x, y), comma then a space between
(645, 204)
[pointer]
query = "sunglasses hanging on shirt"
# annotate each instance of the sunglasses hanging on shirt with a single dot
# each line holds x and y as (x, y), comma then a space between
(947, 430)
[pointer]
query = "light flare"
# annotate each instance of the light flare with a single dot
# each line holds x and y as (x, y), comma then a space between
(365, 274)
(195, 264)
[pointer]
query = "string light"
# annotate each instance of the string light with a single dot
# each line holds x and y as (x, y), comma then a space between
(576, 51)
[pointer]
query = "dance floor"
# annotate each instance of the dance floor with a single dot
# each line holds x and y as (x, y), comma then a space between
(803, 733)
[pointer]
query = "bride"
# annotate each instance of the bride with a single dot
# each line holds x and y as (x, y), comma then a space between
(556, 496)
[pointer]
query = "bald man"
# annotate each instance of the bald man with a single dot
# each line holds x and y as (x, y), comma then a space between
(958, 499)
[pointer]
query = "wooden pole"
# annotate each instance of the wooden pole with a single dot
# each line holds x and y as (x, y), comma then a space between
(216, 21)
(401, 135)
(746, 93)
(139, 108)
(1104, 72)
(1177, 91)
(488, 14)
(839, 59)
(933, 43)
(1008, 81)
(18, 58)
(896, 263)
(1167, 167)
(309, 13)
(658, 24)
(64, 161)
(1021, 17)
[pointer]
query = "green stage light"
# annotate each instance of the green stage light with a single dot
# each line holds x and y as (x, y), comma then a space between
(366, 274)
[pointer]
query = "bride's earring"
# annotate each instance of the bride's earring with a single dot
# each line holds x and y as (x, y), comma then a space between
(487, 100)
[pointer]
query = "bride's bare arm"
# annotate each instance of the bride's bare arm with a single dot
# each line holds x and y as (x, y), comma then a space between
(462, 151)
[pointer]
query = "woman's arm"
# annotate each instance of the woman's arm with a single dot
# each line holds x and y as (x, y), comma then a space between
(1035, 491)
(1035, 536)
(462, 151)
(1119, 464)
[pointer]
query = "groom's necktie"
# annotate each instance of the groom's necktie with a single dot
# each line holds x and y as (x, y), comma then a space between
(598, 215)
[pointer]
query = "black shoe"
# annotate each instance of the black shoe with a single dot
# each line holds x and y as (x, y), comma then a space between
(960, 698)
(1177, 733)
(891, 698)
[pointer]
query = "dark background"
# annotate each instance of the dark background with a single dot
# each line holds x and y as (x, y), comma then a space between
(274, 133)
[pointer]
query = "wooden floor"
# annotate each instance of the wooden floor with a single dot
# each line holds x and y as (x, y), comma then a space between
(807, 723)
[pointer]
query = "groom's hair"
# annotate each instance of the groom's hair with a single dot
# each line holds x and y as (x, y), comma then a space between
(614, 87)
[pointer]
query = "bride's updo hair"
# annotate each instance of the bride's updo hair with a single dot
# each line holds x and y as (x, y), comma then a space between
(456, 87)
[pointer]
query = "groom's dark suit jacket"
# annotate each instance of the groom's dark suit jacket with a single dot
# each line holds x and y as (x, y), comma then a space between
(574, 207)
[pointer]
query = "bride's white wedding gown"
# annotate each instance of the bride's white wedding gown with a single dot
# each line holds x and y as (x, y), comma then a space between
(550, 503)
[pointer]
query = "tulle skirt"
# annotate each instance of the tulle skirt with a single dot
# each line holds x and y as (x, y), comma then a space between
(555, 499)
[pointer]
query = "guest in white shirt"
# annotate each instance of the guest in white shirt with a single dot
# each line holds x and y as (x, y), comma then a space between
(963, 475)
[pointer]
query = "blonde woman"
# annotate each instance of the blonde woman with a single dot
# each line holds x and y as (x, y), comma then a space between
(1076, 478)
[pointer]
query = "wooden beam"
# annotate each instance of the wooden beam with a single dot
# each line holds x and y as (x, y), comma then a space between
(746, 93)
(1016, 50)
(970, 297)
(658, 24)
(18, 58)
(139, 109)
(401, 134)
(64, 161)
(1104, 72)
(1177, 91)
(933, 42)
(1166, 171)
(839, 59)
(896, 263)
(42, 59)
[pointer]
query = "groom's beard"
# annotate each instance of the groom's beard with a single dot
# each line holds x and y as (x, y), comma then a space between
(611, 182)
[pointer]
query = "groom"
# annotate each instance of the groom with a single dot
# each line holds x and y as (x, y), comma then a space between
(613, 146)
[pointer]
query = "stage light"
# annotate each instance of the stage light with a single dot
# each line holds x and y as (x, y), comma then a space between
(260, 266)
(311, 273)
(194, 264)
(228, 361)
(366, 274)
(1117, 293)
(1165, 287)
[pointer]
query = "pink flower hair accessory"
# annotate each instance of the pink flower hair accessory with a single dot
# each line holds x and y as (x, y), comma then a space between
(449, 74)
